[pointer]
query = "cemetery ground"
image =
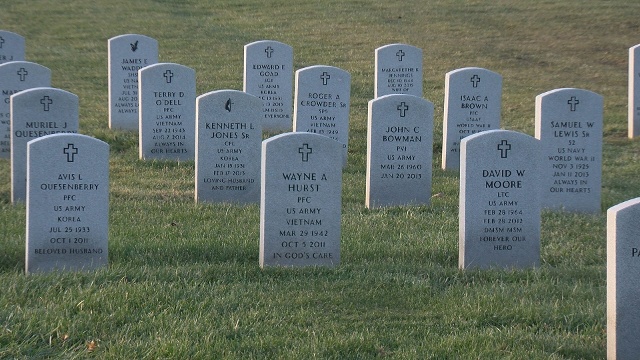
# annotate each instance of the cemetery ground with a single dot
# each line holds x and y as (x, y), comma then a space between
(183, 278)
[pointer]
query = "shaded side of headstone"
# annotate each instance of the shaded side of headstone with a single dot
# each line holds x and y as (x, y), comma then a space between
(268, 74)
(472, 103)
(17, 76)
(127, 54)
(634, 92)
(499, 200)
(623, 292)
(12, 47)
(67, 203)
(398, 70)
(300, 203)
(35, 113)
(399, 151)
(569, 126)
(322, 101)
(228, 145)
(167, 112)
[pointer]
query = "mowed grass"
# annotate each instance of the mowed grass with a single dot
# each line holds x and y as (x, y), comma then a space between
(184, 280)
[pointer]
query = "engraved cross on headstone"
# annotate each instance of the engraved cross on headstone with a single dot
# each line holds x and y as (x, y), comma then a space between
(305, 150)
(400, 54)
(504, 147)
(269, 51)
(325, 78)
(22, 73)
(573, 102)
(1, 41)
(475, 79)
(46, 101)
(70, 151)
(403, 107)
(168, 75)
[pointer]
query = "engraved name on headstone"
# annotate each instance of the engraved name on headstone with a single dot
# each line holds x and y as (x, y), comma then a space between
(499, 200)
(268, 74)
(300, 203)
(34, 113)
(472, 103)
(67, 203)
(322, 101)
(398, 70)
(167, 112)
(17, 76)
(228, 145)
(569, 127)
(399, 151)
(127, 54)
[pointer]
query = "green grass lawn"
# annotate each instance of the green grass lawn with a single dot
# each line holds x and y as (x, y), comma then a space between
(184, 280)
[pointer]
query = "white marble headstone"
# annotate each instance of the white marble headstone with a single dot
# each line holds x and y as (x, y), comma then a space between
(634, 91)
(12, 47)
(17, 76)
(35, 113)
(127, 54)
(569, 127)
(167, 112)
(623, 290)
(472, 103)
(67, 203)
(228, 141)
(399, 151)
(321, 104)
(499, 200)
(300, 204)
(268, 74)
(398, 70)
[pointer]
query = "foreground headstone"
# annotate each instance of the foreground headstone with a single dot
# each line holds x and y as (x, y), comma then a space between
(623, 269)
(67, 203)
(268, 74)
(634, 92)
(228, 145)
(300, 205)
(127, 54)
(398, 70)
(472, 103)
(12, 47)
(16, 76)
(35, 113)
(569, 127)
(399, 151)
(499, 200)
(167, 112)
(322, 103)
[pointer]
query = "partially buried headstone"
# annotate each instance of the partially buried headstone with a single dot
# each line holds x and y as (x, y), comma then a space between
(300, 205)
(634, 92)
(399, 151)
(127, 54)
(268, 74)
(167, 112)
(499, 200)
(11, 47)
(228, 140)
(16, 76)
(398, 70)
(35, 113)
(569, 127)
(67, 203)
(472, 103)
(322, 103)
(623, 292)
